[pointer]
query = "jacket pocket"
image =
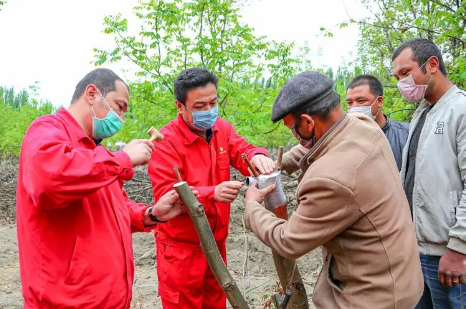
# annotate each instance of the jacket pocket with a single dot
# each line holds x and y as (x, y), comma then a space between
(78, 264)
(332, 278)
(223, 162)
(453, 202)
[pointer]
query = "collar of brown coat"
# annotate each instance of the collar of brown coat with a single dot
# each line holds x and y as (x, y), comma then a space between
(322, 145)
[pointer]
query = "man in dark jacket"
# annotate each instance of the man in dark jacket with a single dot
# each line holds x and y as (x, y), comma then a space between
(365, 95)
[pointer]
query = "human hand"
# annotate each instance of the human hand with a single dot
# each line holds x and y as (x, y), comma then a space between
(452, 268)
(227, 191)
(169, 205)
(253, 194)
(264, 164)
(139, 151)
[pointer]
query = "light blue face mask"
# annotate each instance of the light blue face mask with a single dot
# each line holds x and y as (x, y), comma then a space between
(108, 126)
(204, 120)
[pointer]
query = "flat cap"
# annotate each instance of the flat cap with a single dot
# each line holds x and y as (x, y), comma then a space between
(302, 90)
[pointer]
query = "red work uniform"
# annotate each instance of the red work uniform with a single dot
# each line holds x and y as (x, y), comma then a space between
(185, 279)
(74, 220)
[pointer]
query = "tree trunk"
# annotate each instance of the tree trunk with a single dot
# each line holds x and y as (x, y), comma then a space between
(285, 268)
(209, 247)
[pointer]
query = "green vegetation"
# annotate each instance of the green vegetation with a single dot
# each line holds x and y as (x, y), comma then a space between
(18, 110)
(176, 34)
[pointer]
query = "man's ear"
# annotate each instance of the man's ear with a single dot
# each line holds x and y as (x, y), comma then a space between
(179, 106)
(380, 101)
(308, 121)
(90, 94)
(434, 64)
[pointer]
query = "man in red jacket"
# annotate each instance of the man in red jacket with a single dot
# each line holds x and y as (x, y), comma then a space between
(203, 147)
(74, 220)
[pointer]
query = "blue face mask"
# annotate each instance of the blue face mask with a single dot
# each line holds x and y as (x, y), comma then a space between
(204, 120)
(108, 126)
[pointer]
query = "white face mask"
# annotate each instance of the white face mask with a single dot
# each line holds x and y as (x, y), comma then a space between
(366, 110)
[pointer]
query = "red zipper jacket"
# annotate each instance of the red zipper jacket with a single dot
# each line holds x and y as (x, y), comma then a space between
(74, 221)
(203, 165)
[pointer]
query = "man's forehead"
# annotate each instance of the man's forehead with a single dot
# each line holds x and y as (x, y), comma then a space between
(404, 59)
(122, 90)
(204, 94)
(360, 90)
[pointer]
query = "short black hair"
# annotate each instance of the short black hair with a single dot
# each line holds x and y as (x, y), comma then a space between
(373, 82)
(422, 49)
(320, 109)
(103, 79)
(190, 79)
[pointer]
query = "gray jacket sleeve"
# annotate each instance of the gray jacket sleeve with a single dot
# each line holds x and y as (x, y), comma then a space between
(457, 232)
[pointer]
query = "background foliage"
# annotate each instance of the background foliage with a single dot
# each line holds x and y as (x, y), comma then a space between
(174, 35)
(18, 110)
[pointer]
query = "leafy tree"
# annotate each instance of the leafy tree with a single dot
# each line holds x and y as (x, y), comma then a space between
(394, 21)
(442, 21)
(18, 110)
(176, 35)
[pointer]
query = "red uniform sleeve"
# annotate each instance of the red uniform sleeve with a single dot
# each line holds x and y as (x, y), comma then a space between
(162, 175)
(237, 146)
(56, 173)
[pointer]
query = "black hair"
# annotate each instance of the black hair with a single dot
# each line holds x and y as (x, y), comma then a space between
(373, 82)
(190, 79)
(422, 49)
(103, 79)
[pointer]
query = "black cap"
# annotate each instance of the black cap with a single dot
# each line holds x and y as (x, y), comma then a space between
(302, 90)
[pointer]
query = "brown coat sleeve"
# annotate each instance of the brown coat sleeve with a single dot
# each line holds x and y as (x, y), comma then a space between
(291, 158)
(325, 209)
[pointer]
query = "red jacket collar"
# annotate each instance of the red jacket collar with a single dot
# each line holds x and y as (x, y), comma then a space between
(189, 136)
(73, 125)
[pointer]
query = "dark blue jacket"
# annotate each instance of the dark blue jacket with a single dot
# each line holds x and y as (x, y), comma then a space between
(397, 135)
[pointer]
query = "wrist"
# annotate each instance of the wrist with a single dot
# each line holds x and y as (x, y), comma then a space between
(152, 217)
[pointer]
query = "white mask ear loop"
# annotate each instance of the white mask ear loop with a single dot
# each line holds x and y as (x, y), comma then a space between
(103, 98)
(431, 75)
(92, 106)
(378, 109)
(93, 111)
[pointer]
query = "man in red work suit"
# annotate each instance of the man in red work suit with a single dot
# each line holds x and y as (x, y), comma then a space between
(203, 147)
(74, 221)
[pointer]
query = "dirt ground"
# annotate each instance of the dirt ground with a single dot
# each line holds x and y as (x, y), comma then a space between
(258, 283)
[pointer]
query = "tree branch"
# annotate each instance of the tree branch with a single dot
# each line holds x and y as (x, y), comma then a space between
(201, 45)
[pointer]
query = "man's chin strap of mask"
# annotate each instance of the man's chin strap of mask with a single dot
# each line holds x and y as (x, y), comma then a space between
(305, 142)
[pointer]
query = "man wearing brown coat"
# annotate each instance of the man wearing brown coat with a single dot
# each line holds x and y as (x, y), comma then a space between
(350, 202)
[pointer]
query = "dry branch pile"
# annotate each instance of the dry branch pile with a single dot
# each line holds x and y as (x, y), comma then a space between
(138, 189)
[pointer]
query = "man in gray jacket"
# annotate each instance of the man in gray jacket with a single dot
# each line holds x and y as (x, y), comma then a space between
(364, 94)
(434, 171)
